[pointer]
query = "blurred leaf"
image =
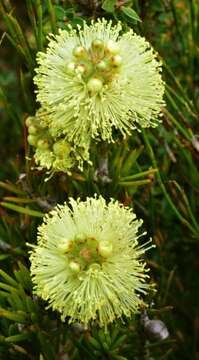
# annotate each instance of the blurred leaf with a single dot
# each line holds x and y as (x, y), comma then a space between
(134, 183)
(109, 5)
(130, 13)
(18, 338)
(22, 210)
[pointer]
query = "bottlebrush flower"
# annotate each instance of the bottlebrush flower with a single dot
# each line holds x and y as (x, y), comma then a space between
(53, 154)
(96, 79)
(87, 263)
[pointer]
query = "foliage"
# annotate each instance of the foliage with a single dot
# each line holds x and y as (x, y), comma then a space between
(156, 171)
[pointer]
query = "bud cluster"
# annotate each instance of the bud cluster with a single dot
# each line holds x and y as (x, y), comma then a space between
(38, 134)
(84, 252)
(96, 66)
(54, 154)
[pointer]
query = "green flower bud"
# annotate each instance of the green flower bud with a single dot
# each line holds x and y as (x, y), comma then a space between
(94, 85)
(80, 69)
(105, 248)
(79, 52)
(29, 121)
(80, 238)
(32, 130)
(74, 266)
(65, 245)
(116, 60)
(112, 47)
(61, 148)
(32, 140)
(71, 68)
(102, 65)
(97, 44)
(43, 144)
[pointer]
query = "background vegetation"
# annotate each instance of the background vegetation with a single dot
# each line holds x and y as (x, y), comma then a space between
(155, 171)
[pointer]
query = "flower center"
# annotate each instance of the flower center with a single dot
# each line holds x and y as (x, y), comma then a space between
(82, 252)
(96, 66)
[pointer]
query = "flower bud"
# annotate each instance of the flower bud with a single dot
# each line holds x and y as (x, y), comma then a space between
(80, 69)
(79, 51)
(71, 68)
(94, 85)
(65, 245)
(74, 266)
(102, 65)
(32, 130)
(116, 60)
(80, 238)
(43, 144)
(61, 148)
(29, 120)
(112, 47)
(32, 140)
(97, 44)
(105, 248)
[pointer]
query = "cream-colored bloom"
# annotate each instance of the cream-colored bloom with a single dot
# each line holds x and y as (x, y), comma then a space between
(87, 263)
(96, 79)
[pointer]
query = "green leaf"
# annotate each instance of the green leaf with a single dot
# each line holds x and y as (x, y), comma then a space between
(3, 257)
(18, 316)
(22, 210)
(52, 15)
(8, 278)
(18, 338)
(18, 200)
(23, 277)
(94, 342)
(109, 5)
(131, 159)
(134, 183)
(39, 24)
(130, 13)
(59, 12)
(139, 175)
(11, 187)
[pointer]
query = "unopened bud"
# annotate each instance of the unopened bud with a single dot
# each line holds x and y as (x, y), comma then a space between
(32, 140)
(32, 130)
(71, 68)
(79, 51)
(112, 47)
(29, 120)
(65, 245)
(61, 148)
(97, 44)
(43, 144)
(105, 248)
(116, 60)
(102, 65)
(80, 238)
(94, 85)
(80, 69)
(74, 266)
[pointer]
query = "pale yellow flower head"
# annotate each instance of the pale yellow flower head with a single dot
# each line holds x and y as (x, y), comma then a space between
(88, 262)
(96, 79)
